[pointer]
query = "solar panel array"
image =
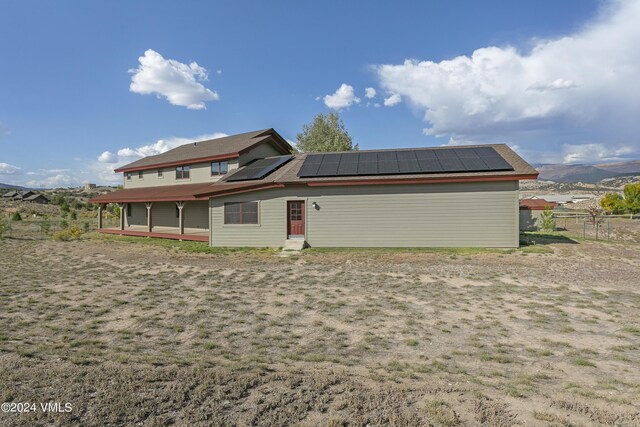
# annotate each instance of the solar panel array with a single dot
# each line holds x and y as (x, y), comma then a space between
(259, 169)
(445, 160)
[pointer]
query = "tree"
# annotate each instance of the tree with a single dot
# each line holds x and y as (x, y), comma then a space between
(613, 203)
(632, 198)
(326, 133)
(547, 222)
(64, 207)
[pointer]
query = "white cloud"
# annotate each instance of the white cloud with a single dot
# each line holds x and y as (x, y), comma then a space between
(7, 169)
(59, 180)
(342, 98)
(107, 157)
(580, 89)
(160, 146)
(394, 99)
(590, 153)
(101, 170)
(179, 83)
(369, 92)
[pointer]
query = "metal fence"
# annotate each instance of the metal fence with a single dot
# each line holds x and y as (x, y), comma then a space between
(624, 228)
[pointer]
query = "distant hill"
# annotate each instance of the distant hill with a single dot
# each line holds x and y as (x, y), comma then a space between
(13, 187)
(588, 173)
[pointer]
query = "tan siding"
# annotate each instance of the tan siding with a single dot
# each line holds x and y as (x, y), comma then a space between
(198, 173)
(438, 215)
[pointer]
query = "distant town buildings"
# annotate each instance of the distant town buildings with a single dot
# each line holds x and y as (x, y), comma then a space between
(89, 186)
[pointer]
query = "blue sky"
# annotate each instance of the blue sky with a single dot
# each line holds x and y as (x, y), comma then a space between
(86, 87)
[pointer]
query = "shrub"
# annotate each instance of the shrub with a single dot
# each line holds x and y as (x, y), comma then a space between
(67, 234)
(86, 226)
(547, 222)
(45, 226)
(16, 216)
(4, 225)
(73, 215)
(64, 224)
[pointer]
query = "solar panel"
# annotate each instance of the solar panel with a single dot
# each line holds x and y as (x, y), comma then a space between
(328, 169)
(446, 153)
(259, 169)
(486, 152)
(348, 168)
(393, 162)
(452, 164)
(367, 168)
(430, 165)
(408, 166)
(473, 164)
(496, 163)
(314, 159)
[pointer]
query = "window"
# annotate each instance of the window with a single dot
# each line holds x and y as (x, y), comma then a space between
(241, 213)
(128, 209)
(128, 175)
(219, 168)
(140, 175)
(182, 172)
(159, 173)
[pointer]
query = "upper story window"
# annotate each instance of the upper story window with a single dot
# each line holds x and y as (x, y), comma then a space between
(140, 175)
(241, 213)
(182, 172)
(219, 168)
(128, 176)
(159, 173)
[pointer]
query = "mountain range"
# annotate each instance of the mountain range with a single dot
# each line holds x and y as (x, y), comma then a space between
(588, 173)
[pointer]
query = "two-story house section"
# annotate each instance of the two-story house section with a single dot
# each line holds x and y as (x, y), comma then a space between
(160, 192)
(251, 190)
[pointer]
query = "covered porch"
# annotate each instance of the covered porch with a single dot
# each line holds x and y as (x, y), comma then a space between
(171, 212)
(193, 234)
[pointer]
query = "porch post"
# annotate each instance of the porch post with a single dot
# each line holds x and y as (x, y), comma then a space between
(149, 219)
(123, 214)
(100, 206)
(180, 206)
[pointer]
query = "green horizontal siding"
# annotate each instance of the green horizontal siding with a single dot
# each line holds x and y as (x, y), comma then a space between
(164, 214)
(436, 215)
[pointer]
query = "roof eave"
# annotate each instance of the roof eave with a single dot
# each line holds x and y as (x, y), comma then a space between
(420, 180)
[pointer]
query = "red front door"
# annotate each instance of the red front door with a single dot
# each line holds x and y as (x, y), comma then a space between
(295, 219)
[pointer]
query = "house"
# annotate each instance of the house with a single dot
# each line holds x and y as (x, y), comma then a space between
(250, 190)
(530, 211)
(10, 195)
(23, 195)
(88, 186)
(37, 198)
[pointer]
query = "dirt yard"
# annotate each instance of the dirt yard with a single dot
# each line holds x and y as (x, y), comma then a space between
(133, 334)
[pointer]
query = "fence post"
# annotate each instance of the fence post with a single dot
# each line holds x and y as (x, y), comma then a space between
(584, 230)
(597, 228)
